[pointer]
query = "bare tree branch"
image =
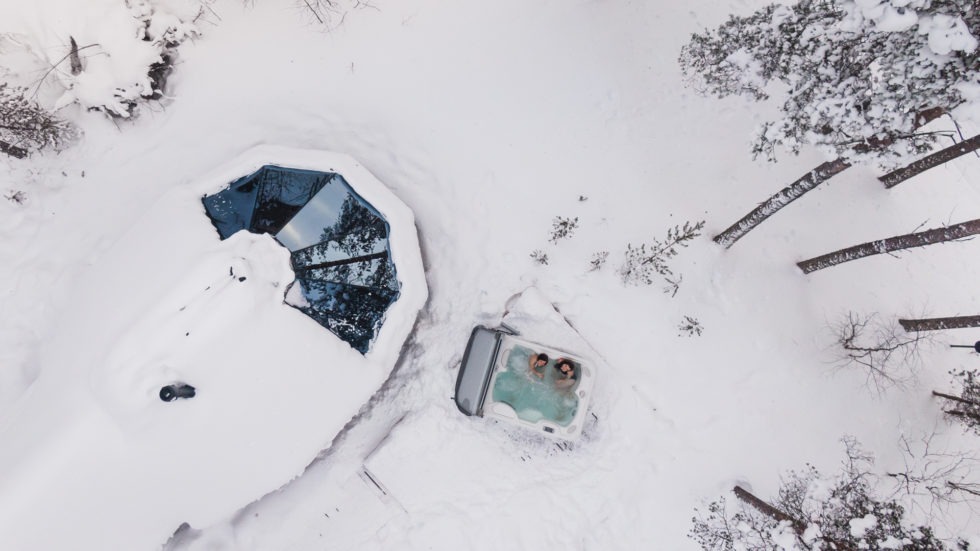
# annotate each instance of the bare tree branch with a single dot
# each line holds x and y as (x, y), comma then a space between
(888, 356)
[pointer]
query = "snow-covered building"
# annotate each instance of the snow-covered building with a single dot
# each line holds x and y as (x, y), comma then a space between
(91, 448)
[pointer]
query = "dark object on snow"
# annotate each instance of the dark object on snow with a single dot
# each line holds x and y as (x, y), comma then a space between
(975, 346)
(170, 393)
(75, 60)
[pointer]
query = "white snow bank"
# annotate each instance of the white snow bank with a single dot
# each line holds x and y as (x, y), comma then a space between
(887, 15)
(860, 526)
(969, 112)
(117, 43)
(92, 450)
(947, 34)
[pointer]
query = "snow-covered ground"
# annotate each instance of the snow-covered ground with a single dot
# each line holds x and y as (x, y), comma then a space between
(170, 302)
(488, 120)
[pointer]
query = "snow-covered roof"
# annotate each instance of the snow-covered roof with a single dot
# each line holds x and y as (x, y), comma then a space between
(338, 243)
(92, 445)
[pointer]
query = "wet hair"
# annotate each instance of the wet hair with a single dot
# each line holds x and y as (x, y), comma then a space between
(542, 357)
(562, 362)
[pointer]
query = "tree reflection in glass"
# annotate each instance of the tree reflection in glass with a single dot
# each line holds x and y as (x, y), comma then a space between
(339, 243)
(349, 311)
(283, 194)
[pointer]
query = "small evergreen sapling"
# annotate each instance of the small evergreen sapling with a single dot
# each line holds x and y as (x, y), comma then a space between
(598, 260)
(691, 326)
(562, 228)
(18, 197)
(643, 263)
(540, 257)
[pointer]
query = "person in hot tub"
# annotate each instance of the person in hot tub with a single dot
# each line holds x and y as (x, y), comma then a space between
(536, 363)
(567, 376)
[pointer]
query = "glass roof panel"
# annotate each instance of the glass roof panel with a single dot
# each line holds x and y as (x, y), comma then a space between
(231, 210)
(346, 247)
(335, 214)
(349, 311)
(339, 243)
(283, 193)
(367, 271)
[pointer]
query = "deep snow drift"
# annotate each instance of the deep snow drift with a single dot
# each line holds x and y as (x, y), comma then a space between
(488, 121)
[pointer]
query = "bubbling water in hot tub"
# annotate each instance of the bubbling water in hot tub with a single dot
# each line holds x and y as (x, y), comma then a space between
(532, 398)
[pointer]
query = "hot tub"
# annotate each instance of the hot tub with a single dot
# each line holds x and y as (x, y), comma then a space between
(495, 381)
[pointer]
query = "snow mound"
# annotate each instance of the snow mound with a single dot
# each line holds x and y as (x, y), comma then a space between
(118, 45)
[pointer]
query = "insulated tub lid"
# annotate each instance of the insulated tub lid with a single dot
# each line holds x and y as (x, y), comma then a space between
(475, 370)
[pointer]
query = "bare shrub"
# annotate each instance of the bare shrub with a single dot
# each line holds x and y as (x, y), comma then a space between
(331, 13)
(934, 478)
(888, 355)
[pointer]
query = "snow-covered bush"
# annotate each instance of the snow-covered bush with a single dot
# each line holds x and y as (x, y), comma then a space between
(106, 55)
(858, 78)
(936, 478)
(25, 126)
(813, 512)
